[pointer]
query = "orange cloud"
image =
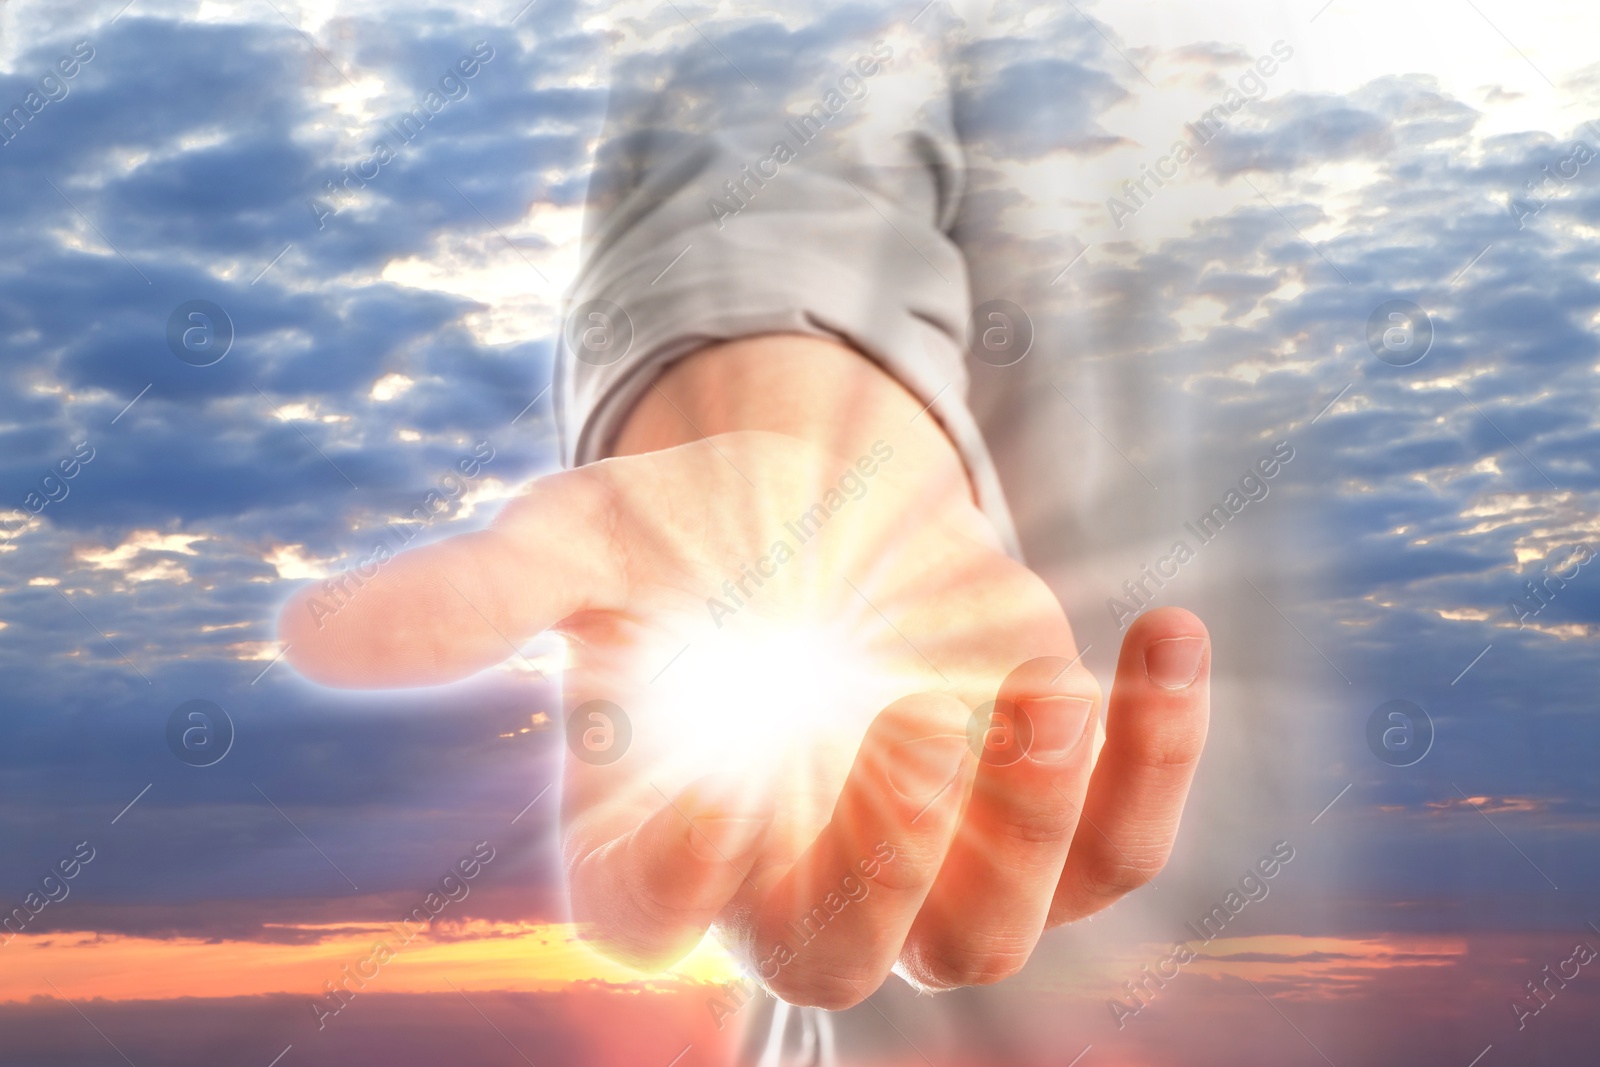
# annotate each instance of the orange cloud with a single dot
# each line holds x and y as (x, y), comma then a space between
(515, 957)
(1489, 805)
(1324, 967)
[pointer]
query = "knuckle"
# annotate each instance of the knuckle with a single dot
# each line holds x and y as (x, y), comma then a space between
(635, 952)
(652, 906)
(1173, 751)
(812, 988)
(628, 919)
(956, 965)
(634, 940)
(1032, 823)
(910, 868)
(1114, 876)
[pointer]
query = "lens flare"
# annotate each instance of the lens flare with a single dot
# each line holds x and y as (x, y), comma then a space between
(778, 708)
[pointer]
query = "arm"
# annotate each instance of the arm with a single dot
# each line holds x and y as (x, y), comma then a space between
(844, 241)
(621, 555)
(763, 377)
(814, 389)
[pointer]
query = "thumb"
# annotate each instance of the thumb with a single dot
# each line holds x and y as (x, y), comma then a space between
(447, 610)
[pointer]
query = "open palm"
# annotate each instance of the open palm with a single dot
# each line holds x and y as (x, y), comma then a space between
(812, 703)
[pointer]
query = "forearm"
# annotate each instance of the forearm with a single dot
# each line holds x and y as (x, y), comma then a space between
(821, 391)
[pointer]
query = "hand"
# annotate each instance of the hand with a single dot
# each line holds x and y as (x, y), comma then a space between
(855, 841)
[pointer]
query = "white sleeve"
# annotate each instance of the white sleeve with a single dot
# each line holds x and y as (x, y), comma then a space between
(816, 200)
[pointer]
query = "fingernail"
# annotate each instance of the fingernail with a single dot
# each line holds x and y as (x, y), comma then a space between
(920, 769)
(725, 838)
(1059, 723)
(1173, 662)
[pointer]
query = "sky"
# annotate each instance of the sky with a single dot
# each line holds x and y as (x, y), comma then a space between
(381, 339)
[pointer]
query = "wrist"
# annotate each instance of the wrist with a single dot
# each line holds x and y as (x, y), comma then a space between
(820, 391)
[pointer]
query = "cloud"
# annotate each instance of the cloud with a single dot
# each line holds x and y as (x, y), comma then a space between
(390, 386)
(1055, 68)
(419, 321)
(132, 558)
(1490, 805)
(597, 1025)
